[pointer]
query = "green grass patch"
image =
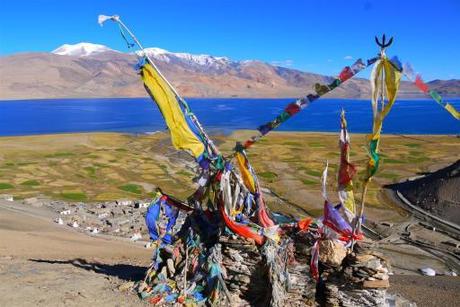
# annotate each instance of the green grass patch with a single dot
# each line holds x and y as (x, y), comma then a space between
(4, 186)
(293, 159)
(131, 188)
(309, 182)
(184, 173)
(393, 161)
(268, 175)
(91, 171)
(297, 144)
(121, 149)
(418, 159)
(62, 154)
(75, 196)
(316, 145)
(30, 183)
(313, 173)
(26, 163)
(389, 175)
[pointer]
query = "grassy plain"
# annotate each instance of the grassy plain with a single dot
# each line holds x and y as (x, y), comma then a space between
(109, 166)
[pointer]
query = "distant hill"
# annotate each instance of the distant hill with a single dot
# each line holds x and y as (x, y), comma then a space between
(91, 70)
(437, 192)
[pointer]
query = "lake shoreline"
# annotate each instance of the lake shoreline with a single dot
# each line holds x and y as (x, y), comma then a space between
(219, 116)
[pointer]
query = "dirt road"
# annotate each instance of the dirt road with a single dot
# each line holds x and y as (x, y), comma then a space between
(45, 264)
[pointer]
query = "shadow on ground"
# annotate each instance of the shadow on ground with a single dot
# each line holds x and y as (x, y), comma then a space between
(123, 271)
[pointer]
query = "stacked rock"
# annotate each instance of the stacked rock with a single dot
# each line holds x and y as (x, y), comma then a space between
(361, 280)
(368, 269)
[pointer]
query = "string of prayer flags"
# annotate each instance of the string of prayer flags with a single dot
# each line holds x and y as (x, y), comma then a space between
(408, 71)
(301, 103)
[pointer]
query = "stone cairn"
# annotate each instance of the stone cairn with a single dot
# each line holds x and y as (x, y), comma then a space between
(361, 278)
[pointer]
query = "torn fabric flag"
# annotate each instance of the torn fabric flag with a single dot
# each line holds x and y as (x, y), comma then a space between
(182, 135)
(385, 79)
(346, 171)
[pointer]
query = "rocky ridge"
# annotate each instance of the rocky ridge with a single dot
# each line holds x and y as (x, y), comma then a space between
(87, 70)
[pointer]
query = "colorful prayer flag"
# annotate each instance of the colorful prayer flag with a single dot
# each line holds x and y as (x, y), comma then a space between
(182, 135)
(346, 171)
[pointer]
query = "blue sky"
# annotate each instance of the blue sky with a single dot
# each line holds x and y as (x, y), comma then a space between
(316, 36)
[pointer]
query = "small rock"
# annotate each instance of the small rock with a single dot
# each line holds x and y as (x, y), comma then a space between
(236, 257)
(364, 258)
(7, 197)
(428, 271)
(376, 284)
(126, 286)
(381, 276)
(373, 264)
(243, 279)
(136, 236)
(332, 252)
(33, 201)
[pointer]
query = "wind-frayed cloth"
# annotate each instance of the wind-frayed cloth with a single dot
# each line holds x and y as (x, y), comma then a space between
(246, 171)
(182, 135)
(383, 68)
(346, 171)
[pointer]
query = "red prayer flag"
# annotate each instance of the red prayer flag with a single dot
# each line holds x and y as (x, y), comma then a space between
(420, 84)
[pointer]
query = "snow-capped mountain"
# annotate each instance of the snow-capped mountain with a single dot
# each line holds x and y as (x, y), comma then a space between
(81, 49)
(93, 70)
(203, 60)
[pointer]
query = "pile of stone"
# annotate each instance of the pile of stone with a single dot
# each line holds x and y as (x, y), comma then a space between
(122, 218)
(370, 269)
(361, 280)
(245, 273)
(247, 276)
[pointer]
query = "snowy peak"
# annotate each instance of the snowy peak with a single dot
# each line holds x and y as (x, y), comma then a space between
(199, 61)
(202, 60)
(81, 49)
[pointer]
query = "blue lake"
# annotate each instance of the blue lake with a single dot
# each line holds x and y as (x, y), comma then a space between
(140, 115)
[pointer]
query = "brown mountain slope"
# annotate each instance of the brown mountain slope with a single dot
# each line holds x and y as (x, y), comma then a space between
(112, 74)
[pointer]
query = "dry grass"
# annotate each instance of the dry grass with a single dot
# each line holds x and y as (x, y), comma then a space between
(107, 166)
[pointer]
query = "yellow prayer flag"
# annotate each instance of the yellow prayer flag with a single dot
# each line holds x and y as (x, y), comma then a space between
(452, 110)
(181, 135)
(245, 172)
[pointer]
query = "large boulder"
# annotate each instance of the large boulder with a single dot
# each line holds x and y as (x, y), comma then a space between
(331, 252)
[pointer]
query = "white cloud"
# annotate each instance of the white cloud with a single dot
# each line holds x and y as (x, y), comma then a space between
(329, 60)
(284, 63)
(348, 57)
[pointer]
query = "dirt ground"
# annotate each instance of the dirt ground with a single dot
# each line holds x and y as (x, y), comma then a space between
(45, 264)
(428, 291)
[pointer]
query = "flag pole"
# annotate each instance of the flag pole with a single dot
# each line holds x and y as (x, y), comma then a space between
(117, 19)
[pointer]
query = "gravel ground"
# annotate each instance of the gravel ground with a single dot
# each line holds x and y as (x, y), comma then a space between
(426, 290)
